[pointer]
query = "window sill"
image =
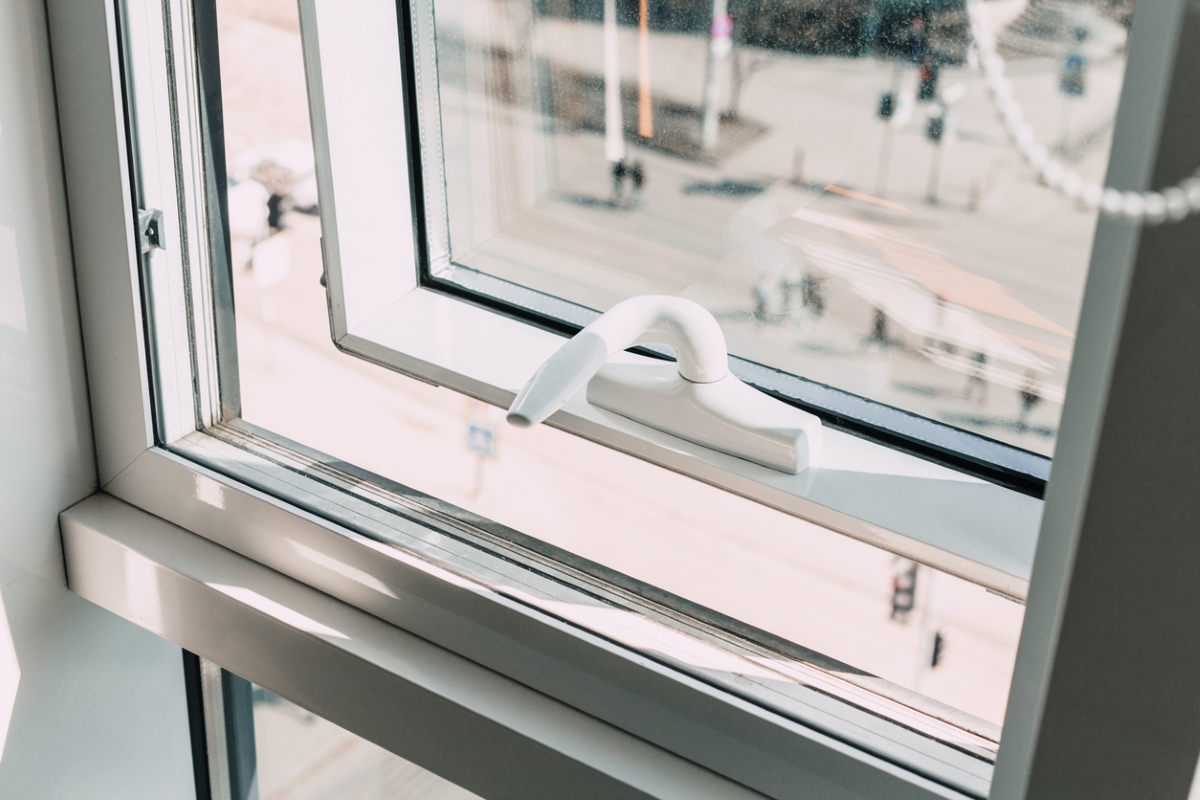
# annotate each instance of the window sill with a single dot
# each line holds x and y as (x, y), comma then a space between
(781, 725)
(478, 729)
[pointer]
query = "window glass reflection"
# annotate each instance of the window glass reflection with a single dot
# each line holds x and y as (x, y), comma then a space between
(829, 178)
(304, 757)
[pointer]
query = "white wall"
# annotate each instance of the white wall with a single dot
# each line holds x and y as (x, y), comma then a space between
(90, 705)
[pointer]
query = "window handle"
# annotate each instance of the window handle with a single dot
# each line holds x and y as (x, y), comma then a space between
(697, 398)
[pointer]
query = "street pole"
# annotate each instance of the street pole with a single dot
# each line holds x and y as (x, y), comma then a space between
(929, 630)
(719, 45)
(885, 159)
(887, 110)
(935, 129)
(1064, 123)
(935, 169)
(614, 123)
(645, 107)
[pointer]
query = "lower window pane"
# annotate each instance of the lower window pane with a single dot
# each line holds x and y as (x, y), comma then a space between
(304, 757)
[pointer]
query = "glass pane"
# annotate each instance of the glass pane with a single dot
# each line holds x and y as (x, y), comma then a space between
(830, 179)
(791, 578)
(304, 757)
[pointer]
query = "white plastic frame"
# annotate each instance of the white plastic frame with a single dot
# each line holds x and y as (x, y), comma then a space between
(741, 741)
(773, 753)
(380, 311)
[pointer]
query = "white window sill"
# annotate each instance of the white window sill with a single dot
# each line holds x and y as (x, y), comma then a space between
(478, 729)
(471, 725)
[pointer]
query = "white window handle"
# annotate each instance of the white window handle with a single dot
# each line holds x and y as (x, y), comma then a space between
(697, 399)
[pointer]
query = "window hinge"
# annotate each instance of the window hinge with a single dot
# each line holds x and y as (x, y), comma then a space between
(150, 230)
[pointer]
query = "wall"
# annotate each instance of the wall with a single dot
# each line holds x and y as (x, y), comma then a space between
(90, 705)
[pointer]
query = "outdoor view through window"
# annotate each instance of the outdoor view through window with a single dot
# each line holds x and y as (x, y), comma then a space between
(830, 179)
(827, 177)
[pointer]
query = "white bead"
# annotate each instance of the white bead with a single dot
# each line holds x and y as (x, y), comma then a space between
(1091, 196)
(1133, 207)
(1012, 113)
(1156, 208)
(1177, 203)
(1053, 173)
(1112, 202)
(1191, 187)
(1072, 186)
(1038, 157)
(1001, 89)
(1174, 203)
(1024, 137)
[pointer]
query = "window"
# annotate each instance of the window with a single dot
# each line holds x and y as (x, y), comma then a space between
(617, 647)
(885, 299)
(793, 581)
(836, 187)
(455, 311)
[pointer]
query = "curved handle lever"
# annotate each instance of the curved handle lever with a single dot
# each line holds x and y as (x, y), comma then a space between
(690, 330)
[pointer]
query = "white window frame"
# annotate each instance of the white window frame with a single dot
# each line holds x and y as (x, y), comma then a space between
(383, 311)
(194, 508)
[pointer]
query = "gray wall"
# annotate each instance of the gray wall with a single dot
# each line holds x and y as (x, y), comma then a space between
(90, 705)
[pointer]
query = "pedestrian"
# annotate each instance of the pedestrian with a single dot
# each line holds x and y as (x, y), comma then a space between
(879, 329)
(812, 295)
(762, 299)
(1030, 397)
(619, 171)
(977, 386)
(279, 181)
(791, 285)
(637, 177)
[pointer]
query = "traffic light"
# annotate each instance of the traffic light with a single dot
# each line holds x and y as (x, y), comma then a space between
(929, 77)
(887, 105)
(936, 126)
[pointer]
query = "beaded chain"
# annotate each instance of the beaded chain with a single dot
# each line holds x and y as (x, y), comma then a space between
(1151, 208)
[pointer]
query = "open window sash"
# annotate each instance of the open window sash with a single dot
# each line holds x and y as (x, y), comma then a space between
(372, 78)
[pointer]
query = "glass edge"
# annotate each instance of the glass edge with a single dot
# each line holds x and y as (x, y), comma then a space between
(996, 462)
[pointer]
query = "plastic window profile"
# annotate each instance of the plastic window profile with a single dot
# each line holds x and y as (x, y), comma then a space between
(166, 340)
(111, 306)
(95, 156)
(756, 744)
(973, 454)
(380, 311)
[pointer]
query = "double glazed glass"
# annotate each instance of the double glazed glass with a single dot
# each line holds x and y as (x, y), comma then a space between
(829, 179)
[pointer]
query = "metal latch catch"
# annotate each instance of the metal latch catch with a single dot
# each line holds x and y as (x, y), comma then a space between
(150, 230)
